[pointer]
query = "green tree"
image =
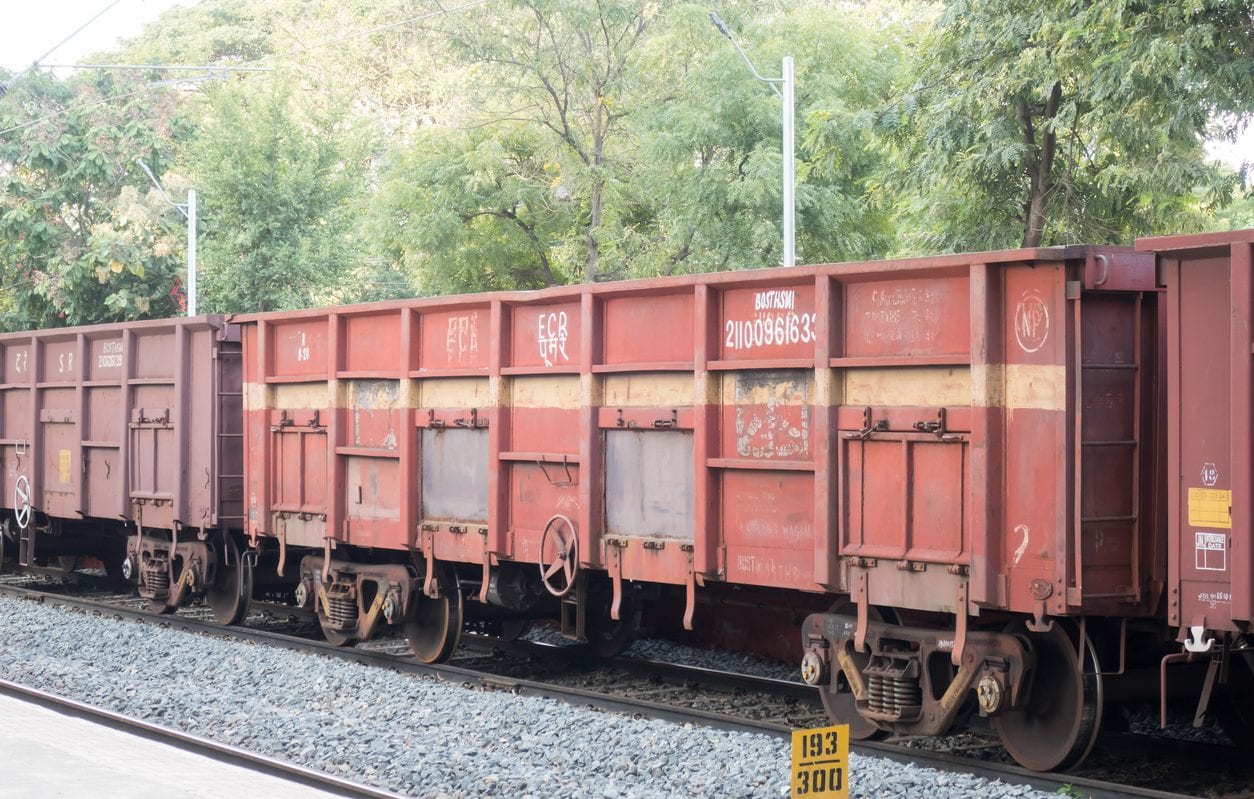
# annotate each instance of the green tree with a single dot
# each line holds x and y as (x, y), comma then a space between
(564, 67)
(471, 211)
(80, 239)
(280, 188)
(1044, 122)
(709, 185)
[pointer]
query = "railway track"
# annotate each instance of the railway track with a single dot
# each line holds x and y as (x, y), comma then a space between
(650, 689)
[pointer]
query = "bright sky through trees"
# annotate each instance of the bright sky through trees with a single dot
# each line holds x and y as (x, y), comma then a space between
(31, 29)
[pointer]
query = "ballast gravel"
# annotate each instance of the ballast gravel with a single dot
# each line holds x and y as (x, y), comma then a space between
(408, 733)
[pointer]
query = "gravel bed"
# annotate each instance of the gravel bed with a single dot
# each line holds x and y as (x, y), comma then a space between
(409, 733)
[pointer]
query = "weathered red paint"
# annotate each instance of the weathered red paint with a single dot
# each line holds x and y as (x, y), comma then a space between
(1208, 377)
(933, 428)
(130, 421)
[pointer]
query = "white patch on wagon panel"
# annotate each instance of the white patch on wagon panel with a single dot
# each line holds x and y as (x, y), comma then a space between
(1210, 552)
(110, 355)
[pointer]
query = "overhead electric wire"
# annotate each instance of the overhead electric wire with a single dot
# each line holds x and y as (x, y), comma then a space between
(241, 67)
(58, 45)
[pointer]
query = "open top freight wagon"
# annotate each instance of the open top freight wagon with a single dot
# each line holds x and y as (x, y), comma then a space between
(124, 441)
(972, 436)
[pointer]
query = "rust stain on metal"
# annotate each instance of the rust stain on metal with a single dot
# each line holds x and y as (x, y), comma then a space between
(772, 414)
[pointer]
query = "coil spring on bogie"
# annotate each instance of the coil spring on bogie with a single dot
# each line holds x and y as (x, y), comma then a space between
(890, 694)
(342, 610)
(156, 577)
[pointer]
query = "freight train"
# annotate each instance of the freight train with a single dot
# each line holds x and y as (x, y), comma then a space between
(1013, 485)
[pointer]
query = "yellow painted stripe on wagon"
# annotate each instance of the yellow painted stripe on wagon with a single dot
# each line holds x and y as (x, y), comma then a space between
(1036, 388)
(545, 392)
(648, 390)
(286, 396)
(300, 396)
(454, 392)
(915, 385)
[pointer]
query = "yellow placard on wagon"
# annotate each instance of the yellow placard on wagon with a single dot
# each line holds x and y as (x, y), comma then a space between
(1210, 507)
(820, 763)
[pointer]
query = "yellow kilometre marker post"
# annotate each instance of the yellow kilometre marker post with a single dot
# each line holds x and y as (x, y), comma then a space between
(820, 763)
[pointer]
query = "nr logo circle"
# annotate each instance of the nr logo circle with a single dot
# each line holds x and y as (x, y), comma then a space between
(1031, 322)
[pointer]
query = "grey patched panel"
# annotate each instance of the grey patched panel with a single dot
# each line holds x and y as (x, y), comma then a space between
(455, 475)
(649, 483)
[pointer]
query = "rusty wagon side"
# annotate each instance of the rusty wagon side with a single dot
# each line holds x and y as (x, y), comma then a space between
(125, 442)
(1209, 290)
(971, 438)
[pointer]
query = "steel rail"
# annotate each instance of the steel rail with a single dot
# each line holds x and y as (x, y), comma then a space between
(223, 753)
(658, 668)
(943, 761)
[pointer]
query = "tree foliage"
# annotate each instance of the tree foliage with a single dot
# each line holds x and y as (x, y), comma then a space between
(405, 147)
(1043, 122)
(81, 238)
(613, 140)
(280, 192)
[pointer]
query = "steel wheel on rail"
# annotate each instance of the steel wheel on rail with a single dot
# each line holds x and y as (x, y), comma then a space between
(232, 588)
(434, 625)
(1058, 721)
(513, 629)
(608, 638)
(66, 564)
(840, 704)
(335, 637)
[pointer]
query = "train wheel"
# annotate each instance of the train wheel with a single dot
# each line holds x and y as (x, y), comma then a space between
(608, 638)
(335, 637)
(232, 588)
(67, 564)
(434, 626)
(513, 629)
(1059, 720)
(841, 706)
(160, 606)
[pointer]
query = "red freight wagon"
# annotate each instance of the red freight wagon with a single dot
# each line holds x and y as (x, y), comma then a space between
(1210, 464)
(124, 442)
(960, 450)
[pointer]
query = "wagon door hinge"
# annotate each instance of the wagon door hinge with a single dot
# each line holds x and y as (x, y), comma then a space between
(960, 626)
(936, 427)
(281, 524)
(614, 566)
(869, 426)
(430, 585)
(861, 599)
(690, 602)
